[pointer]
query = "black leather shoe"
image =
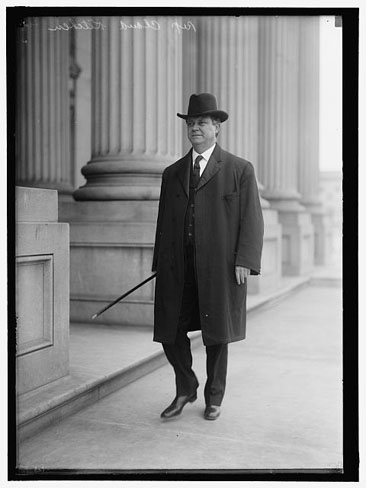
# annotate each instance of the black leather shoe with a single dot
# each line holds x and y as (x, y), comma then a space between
(176, 407)
(212, 412)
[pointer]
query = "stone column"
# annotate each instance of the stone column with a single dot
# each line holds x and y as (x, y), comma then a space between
(227, 65)
(136, 92)
(42, 113)
(279, 137)
(190, 71)
(309, 132)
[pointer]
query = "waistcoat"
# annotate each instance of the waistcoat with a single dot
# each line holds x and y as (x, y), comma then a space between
(189, 217)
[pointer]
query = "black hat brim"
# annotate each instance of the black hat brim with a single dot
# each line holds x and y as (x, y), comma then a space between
(220, 114)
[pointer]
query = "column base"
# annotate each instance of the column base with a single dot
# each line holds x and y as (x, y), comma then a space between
(111, 252)
(136, 178)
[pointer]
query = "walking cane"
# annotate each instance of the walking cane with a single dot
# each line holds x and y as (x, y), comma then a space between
(122, 296)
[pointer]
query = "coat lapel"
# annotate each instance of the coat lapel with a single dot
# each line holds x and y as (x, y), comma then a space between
(184, 171)
(213, 166)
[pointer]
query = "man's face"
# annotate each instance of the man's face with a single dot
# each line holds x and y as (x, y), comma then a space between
(202, 132)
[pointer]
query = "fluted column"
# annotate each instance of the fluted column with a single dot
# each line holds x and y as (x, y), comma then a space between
(42, 109)
(309, 87)
(279, 109)
(190, 71)
(279, 136)
(136, 85)
(309, 111)
(228, 67)
(136, 79)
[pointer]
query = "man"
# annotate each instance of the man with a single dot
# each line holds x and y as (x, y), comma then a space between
(209, 238)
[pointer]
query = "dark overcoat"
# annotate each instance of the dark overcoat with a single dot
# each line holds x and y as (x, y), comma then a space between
(228, 232)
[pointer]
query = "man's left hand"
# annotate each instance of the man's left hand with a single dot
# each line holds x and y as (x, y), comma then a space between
(241, 273)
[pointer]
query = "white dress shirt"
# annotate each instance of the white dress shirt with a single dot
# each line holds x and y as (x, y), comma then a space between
(206, 156)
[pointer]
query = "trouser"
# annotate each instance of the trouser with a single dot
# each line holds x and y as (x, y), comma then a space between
(179, 354)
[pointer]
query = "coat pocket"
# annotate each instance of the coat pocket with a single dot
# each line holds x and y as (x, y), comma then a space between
(230, 196)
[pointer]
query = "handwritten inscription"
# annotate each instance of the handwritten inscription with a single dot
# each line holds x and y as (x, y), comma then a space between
(155, 25)
(82, 25)
(185, 26)
(145, 24)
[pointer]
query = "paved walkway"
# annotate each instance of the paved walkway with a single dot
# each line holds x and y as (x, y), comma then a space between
(282, 408)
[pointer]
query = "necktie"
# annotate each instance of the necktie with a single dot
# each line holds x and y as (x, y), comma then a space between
(196, 170)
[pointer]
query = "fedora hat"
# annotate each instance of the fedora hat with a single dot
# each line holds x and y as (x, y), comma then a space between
(204, 104)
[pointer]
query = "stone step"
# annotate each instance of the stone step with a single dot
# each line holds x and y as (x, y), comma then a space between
(68, 395)
(104, 358)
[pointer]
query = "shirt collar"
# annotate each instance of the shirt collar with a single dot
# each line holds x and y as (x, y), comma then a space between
(206, 155)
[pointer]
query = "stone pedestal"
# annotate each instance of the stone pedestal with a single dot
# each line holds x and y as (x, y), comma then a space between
(111, 252)
(297, 243)
(322, 237)
(42, 286)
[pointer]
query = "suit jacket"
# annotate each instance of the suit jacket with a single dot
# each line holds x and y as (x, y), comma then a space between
(228, 232)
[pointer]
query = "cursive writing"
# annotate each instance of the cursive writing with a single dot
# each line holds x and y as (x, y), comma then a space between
(185, 26)
(90, 24)
(82, 25)
(145, 24)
